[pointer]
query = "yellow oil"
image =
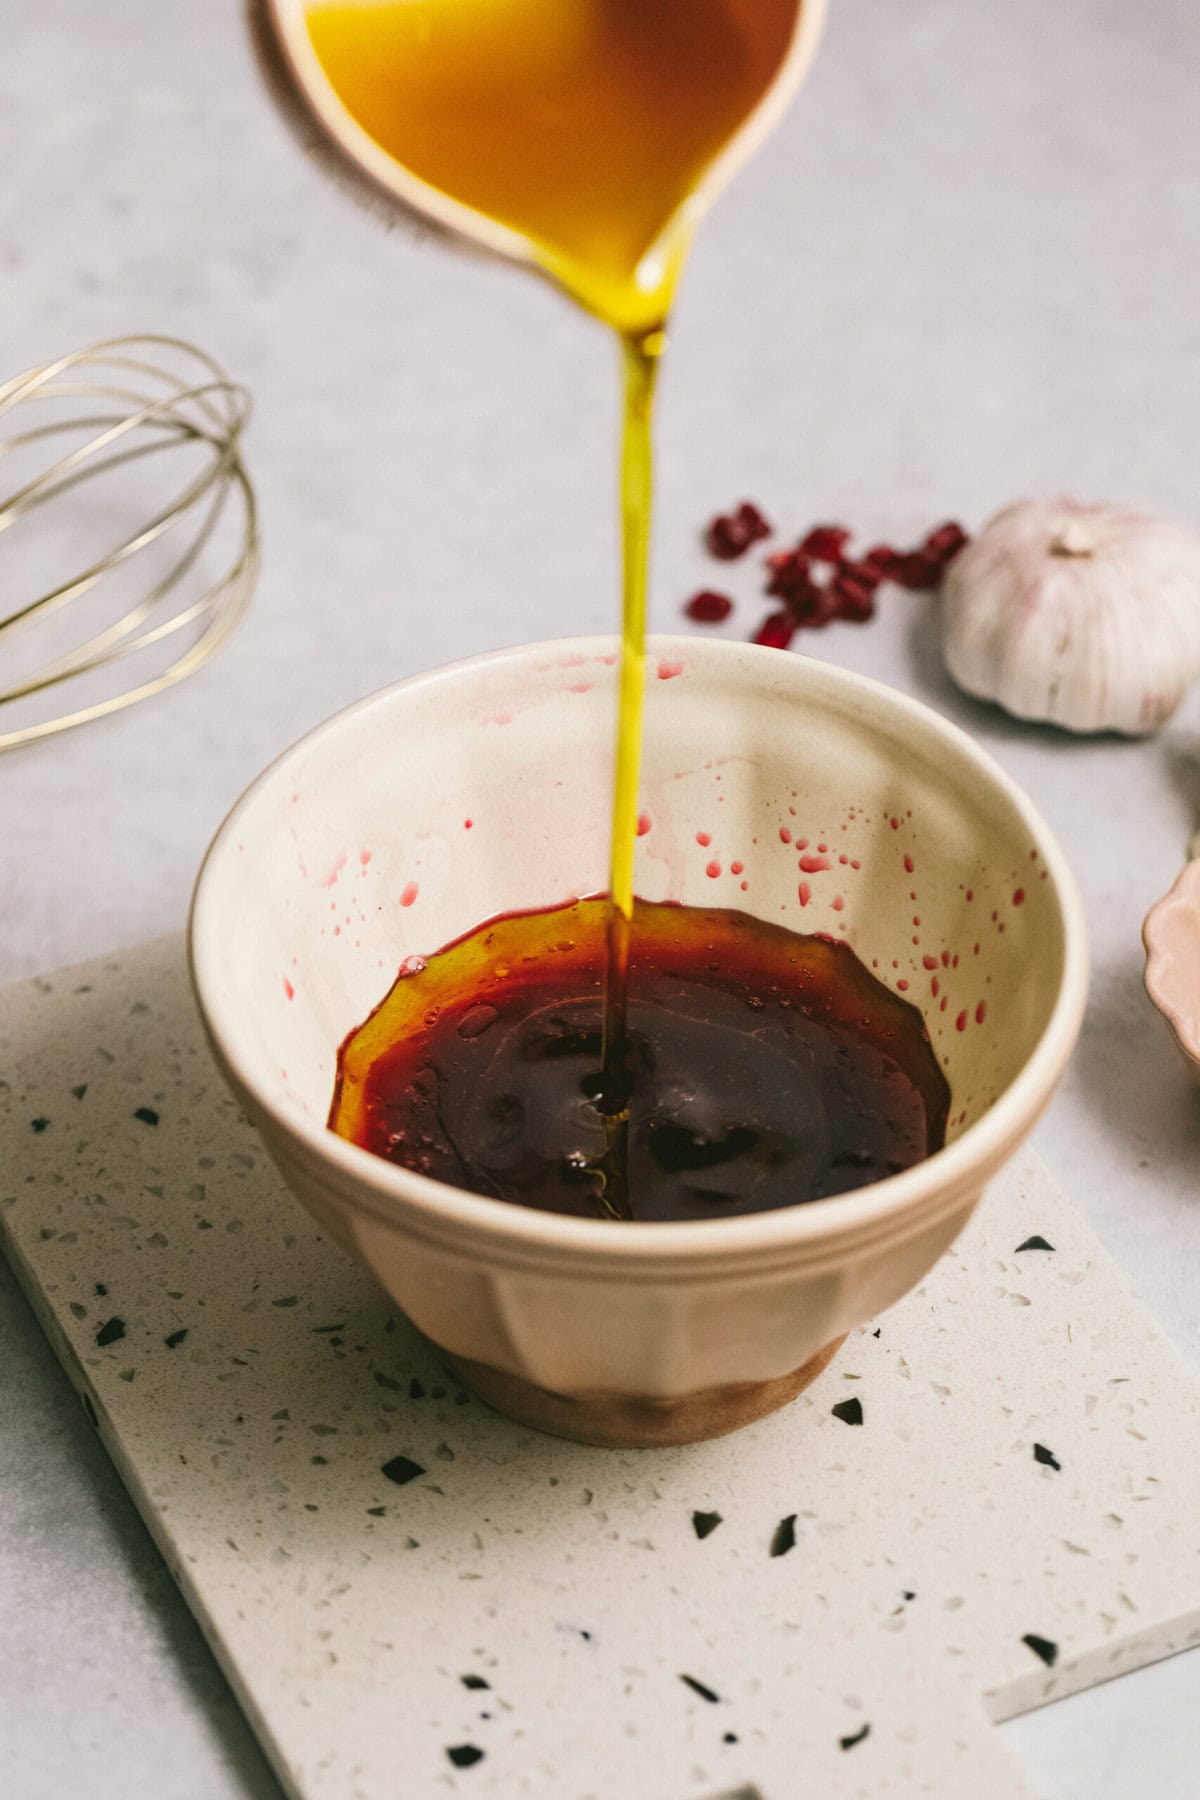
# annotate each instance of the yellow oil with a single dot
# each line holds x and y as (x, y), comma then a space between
(586, 127)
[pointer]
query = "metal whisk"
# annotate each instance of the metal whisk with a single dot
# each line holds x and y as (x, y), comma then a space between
(109, 594)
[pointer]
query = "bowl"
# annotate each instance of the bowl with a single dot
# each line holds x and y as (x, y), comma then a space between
(483, 788)
(1171, 935)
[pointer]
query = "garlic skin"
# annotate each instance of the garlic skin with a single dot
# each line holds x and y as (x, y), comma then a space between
(1086, 616)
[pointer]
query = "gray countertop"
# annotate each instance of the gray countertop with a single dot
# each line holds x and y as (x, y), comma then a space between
(963, 270)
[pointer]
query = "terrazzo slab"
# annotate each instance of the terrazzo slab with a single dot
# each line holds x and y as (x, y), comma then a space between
(989, 1501)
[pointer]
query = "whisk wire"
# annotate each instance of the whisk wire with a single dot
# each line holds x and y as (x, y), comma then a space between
(148, 534)
(164, 409)
(49, 482)
(116, 639)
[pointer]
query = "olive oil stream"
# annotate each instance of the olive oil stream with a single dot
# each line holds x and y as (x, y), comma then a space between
(587, 128)
(637, 492)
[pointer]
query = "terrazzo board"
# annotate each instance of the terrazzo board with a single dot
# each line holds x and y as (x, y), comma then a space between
(990, 1500)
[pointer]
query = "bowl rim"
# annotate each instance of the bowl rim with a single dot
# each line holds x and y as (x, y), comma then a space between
(435, 1208)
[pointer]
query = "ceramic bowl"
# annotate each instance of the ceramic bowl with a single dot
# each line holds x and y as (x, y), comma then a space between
(1171, 935)
(484, 788)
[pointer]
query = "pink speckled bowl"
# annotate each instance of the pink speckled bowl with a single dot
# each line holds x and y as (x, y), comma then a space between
(484, 788)
(1171, 934)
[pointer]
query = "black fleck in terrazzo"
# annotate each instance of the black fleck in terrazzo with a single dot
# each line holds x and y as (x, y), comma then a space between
(548, 1570)
(784, 1538)
(702, 1688)
(401, 1470)
(465, 1756)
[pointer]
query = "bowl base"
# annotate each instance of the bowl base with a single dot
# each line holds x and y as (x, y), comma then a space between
(627, 1422)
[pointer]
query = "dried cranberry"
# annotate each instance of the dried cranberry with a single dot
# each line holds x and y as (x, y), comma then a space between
(777, 631)
(945, 543)
(726, 539)
(813, 606)
(864, 573)
(811, 602)
(752, 521)
(855, 599)
(804, 603)
(916, 571)
(883, 559)
(730, 535)
(791, 573)
(825, 542)
(708, 607)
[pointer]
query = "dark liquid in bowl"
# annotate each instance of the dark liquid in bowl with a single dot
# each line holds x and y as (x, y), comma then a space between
(766, 1069)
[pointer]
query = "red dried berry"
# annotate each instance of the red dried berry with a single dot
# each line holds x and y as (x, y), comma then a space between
(864, 573)
(849, 593)
(730, 535)
(916, 571)
(726, 539)
(855, 599)
(752, 521)
(825, 542)
(806, 603)
(776, 631)
(791, 573)
(883, 559)
(945, 543)
(813, 606)
(708, 607)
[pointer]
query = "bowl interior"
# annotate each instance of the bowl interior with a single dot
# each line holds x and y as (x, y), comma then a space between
(773, 785)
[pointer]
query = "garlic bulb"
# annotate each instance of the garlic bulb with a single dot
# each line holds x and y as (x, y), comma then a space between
(1084, 615)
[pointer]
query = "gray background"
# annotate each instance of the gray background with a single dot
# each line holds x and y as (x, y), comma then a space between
(964, 269)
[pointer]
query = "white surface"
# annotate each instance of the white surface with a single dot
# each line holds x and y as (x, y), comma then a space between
(960, 272)
(1021, 1456)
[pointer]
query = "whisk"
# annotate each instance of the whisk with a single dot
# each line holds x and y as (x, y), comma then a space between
(117, 595)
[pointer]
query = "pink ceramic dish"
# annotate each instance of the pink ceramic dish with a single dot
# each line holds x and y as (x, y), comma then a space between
(1171, 934)
(484, 788)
